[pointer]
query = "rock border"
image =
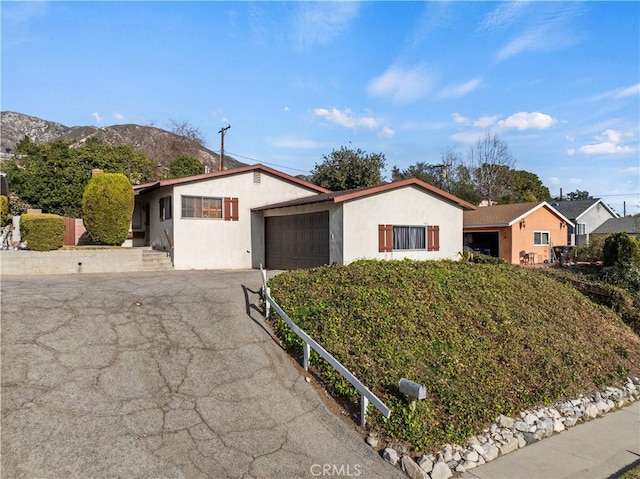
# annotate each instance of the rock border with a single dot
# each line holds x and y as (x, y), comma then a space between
(508, 434)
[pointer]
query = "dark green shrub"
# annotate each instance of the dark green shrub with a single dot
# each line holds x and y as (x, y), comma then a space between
(592, 251)
(4, 209)
(107, 206)
(620, 249)
(42, 232)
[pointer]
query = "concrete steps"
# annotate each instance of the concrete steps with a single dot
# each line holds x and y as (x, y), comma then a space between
(156, 261)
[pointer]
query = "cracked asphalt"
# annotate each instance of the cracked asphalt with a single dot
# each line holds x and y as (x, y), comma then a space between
(172, 375)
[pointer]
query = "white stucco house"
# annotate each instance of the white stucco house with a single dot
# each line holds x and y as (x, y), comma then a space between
(252, 215)
(586, 215)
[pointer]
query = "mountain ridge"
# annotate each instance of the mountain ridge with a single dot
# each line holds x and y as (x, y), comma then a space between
(160, 145)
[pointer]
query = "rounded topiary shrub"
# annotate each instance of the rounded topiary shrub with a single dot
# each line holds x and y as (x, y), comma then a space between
(42, 232)
(107, 206)
(4, 209)
(620, 249)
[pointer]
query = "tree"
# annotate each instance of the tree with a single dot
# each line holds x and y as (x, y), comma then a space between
(52, 176)
(107, 206)
(524, 187)
(490, 162)
(578, 195)
(347, 169)
(185, 166)
(450, 174)
(186, 129)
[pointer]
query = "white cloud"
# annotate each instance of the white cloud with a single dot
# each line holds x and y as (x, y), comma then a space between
(617, 93)
(346, 118)
(96, 116)
(118, 116)
(531, 40)
(554, 180)
(321, 22)
(467, 137)
(631, 171)
(459, 119)
(456, 91)
(402, 85)
(485, 121)
(571, 151)
(386, 132)
(286, 108)
(575, 181)
(632, 90)
(503, 14)
(290, 142)
(528, 120)
(608, 143)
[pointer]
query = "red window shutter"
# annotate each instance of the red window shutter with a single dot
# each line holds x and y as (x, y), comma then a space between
(231, 209)
(385, 238)
(436, 238)
(227, 209)
(433, 238)
(234, 209)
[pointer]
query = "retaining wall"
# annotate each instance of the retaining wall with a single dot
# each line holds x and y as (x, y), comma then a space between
(70, 261)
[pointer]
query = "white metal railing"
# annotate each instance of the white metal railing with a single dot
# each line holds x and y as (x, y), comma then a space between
(366, 394)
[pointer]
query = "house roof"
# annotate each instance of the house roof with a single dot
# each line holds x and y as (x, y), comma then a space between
(626, 224)
(347, 195)
(146, 187)
(505, 215)
(575, 209)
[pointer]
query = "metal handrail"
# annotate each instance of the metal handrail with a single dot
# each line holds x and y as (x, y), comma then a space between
(366, 394)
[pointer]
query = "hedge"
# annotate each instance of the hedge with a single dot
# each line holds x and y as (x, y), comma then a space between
(42, 232)
(107, 207)
(4, 209)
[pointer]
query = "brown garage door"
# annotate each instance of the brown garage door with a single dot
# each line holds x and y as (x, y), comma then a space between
(297, 241)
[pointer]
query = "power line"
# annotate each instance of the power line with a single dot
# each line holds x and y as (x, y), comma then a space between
(267, 163)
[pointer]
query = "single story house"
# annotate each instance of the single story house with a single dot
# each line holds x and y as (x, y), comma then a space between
(586, 215)
(519, 233)
(252, 215)
(405, 219)
(626, 224)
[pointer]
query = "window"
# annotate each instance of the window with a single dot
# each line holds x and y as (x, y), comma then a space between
(541, 238)
(210, 208)
(409, 237)
(165, 208)
(581, 228)
(398, 238)
(201, 207)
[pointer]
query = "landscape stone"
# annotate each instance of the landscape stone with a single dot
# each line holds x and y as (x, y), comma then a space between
(390, 455)
(425, 463)
(504, 421)
(570, 421)
(591, 411)
(490, 452)
(509, 447)
(558, 425)
(521, 426)
(372, 441)
(441, 471)
(471, 456)
(413, 470)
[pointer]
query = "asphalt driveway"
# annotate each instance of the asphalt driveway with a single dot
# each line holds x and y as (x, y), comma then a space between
(159, 375)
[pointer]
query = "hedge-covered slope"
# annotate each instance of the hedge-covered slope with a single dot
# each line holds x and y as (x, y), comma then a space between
(484, 339)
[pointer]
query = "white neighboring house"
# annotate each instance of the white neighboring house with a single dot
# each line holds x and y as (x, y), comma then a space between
(586, 215)
(252, 215)
(205, 221)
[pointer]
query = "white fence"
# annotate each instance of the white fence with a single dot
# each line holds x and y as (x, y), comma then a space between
(366, 395)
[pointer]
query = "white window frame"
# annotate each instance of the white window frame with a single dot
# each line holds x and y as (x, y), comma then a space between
(410, 240)
(541, 233)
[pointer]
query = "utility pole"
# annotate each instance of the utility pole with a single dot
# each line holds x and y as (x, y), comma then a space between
(222, 132)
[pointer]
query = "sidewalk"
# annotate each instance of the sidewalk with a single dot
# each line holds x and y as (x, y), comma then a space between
(599, 449)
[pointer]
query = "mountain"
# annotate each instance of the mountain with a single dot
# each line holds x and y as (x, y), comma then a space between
(159, 145)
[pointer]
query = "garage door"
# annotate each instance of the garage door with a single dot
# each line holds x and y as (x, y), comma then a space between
(297, 241)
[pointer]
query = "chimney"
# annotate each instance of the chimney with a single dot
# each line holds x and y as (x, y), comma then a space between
(560, 194)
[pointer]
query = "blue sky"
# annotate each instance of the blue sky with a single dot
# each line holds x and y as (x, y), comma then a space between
(559, 82)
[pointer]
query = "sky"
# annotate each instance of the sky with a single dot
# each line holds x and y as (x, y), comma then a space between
(558, 82)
